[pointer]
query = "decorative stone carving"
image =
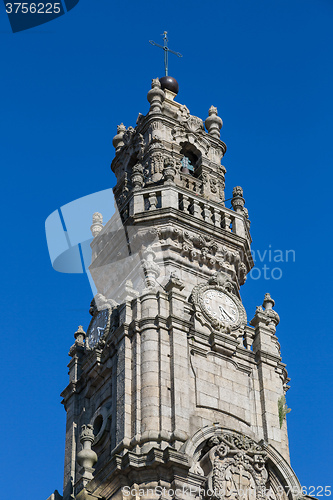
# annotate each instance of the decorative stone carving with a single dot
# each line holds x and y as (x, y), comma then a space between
(194, 124)
(123, 192)
(207, 246)
(99, 303)
(238, 468)
(242, 271)
(183, 134)
(174, 283)
(222, 280)
(213, 185)
(155, 96)
(183, 113)
(169, 170)
(156, 132)
(87, 457)
(127, 137)
(196, 469)
(79, 336)
(137, 177)
(97, 224)
(152, 200)
(213, 123)
(246, 214)
(238, 201)
(139, 145)
(237, 191)
(118, 142)
(79, 344)
(151, 269)
(221, 187)
(265, 313)
(156, 162)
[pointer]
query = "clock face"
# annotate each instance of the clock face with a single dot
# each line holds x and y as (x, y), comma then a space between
(97, 327)
(220, 306)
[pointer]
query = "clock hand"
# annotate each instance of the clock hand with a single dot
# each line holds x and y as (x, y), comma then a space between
(224, 314)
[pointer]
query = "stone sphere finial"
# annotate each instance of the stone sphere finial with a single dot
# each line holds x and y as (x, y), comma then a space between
(213, 123)
(155, 96)
(169, 83)
(97, 224)
(118, 139)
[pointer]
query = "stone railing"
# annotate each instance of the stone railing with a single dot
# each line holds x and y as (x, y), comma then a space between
(187, 181)
(207, 212)
(195, 205)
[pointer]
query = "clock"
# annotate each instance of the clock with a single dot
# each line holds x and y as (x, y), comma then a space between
(220, 306)
(216, 306)
(99, 325)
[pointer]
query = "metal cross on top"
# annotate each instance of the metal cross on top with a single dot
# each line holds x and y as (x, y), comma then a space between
(166, 50)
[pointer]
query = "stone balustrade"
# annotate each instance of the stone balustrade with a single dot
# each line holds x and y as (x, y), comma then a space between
(196, 205)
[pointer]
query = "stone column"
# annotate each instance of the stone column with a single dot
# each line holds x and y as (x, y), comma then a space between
(150, 395)
(217, 218)
(181, 405)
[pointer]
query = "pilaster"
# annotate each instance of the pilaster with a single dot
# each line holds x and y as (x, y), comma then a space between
(272, 373)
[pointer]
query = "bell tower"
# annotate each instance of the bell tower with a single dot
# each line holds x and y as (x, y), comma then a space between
(172, 392)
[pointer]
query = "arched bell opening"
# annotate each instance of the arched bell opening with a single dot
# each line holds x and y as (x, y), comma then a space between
(191, 159)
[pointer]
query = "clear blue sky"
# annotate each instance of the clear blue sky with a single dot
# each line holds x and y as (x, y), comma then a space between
(267, 66)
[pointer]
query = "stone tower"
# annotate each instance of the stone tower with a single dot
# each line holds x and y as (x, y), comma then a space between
(172, 393)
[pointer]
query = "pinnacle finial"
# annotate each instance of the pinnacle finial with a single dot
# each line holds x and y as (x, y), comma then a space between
(97, 224)
(87, 457)
(213, 123)
(268, 303)
(238, 201)
(79, 336)
(266, 314)
(155, 96)
(117, 141)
